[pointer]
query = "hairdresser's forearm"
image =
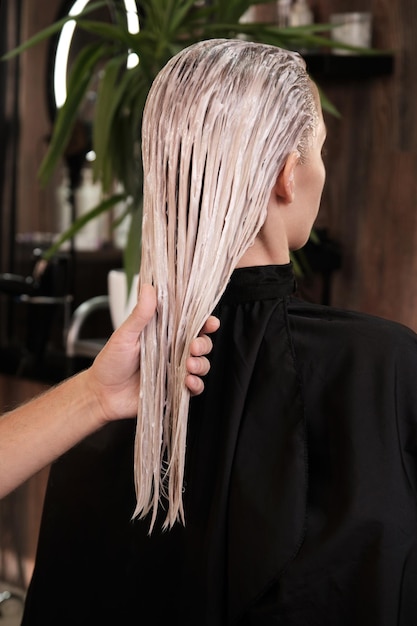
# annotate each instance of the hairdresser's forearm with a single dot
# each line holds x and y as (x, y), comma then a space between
(35, 434)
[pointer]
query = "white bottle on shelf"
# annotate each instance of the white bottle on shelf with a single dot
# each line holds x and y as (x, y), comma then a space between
(87, 196)
(63, 209)
(283, 10)
(121, 231)
(301, 14)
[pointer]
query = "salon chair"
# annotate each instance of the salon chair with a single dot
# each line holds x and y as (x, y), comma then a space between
(79, 346)
(11, 606)
(44, 293)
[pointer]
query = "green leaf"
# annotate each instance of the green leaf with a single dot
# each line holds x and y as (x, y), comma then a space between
(326, 104)
(179, 15)
(296, 265)
(117, 132)
(80, 78)
(108, 98)
(132, 252)
(48, 32)
(230, 12)
(110, 32)
(314, 237)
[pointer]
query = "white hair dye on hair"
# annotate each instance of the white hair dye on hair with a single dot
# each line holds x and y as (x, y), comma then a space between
(220, 120)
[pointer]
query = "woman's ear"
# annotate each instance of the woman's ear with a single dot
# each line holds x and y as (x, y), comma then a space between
(285, 183)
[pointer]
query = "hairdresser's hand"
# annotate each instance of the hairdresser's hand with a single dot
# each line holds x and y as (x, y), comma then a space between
(114, 375)
(197, 364)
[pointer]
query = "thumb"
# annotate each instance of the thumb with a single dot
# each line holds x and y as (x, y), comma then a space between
(143, 311)
(141, 314)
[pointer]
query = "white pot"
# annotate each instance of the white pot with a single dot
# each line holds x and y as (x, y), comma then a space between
(120, 304)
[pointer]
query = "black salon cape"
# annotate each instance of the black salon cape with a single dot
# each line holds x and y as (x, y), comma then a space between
(300, 489)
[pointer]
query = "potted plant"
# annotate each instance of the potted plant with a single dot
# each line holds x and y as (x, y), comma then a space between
(166, 26)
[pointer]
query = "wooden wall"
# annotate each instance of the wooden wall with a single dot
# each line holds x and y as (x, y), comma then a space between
(35, 204)
(370, 198)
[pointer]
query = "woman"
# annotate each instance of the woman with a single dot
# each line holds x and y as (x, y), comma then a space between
(293, 500)
(213, 190)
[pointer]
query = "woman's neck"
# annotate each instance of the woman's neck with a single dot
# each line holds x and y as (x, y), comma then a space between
(269, 248)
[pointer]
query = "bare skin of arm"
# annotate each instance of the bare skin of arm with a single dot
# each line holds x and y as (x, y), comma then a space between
(38, 432)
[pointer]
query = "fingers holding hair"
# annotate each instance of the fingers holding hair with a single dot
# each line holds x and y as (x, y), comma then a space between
(197, 363)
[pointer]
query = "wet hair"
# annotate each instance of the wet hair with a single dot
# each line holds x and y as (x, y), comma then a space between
(220, 121)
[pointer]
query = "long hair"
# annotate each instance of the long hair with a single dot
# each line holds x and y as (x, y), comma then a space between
(220, 120)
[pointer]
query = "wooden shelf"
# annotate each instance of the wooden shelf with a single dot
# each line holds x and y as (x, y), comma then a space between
(344, 67)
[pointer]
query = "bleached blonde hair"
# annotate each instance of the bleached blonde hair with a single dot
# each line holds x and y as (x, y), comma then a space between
(220, 120)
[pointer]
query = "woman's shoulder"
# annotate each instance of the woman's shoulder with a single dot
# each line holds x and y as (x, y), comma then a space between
(350, 326)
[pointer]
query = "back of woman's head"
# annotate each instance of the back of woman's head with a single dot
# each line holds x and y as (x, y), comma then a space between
(220, 120)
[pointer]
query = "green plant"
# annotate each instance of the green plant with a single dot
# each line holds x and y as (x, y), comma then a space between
(166, 26)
